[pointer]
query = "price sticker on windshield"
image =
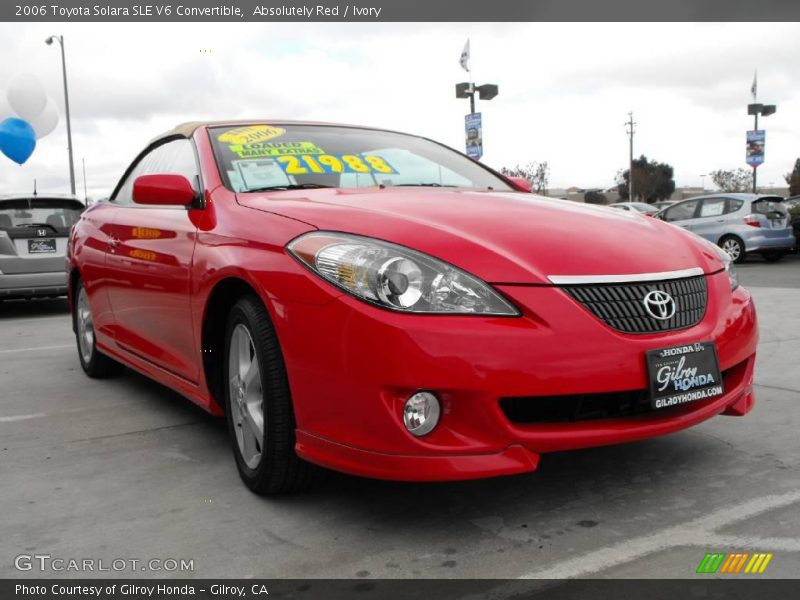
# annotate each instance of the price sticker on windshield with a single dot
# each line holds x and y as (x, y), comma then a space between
(334, 164)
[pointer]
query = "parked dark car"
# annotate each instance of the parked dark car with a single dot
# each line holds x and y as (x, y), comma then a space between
(792, 204)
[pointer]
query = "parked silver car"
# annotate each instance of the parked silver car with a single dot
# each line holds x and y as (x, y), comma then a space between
(33, 243)
(641, 207)
(737, 223)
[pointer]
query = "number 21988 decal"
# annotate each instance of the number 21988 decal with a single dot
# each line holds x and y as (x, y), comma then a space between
(334, 163)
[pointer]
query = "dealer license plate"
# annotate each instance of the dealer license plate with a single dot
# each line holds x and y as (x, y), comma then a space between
(682, 374)
(41, 246)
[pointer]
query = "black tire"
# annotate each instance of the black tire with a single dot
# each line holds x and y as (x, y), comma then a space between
(279, 469)
(773, 256)
(96, 365)
(733, 240)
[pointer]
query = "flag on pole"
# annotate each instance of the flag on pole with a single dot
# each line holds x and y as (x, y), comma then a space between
(464, 60)
(754, 87)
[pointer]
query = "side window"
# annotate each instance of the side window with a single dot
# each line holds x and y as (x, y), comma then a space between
(712, 207)
(176, 157)
(681, 211)
(733, 205)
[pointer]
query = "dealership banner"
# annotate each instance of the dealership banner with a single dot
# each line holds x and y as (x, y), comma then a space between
(473, 130)
(701, 587)
(756, 140)
(395, 11)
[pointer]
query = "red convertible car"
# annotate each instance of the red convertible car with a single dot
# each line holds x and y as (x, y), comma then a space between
(379, 304)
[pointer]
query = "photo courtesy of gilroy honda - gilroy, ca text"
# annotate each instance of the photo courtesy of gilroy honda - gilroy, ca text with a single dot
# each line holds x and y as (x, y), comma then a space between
(381, 299)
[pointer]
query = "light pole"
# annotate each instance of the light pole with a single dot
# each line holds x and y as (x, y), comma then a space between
(703, 179)
(49, 41)
(631, 128)
(486, 91)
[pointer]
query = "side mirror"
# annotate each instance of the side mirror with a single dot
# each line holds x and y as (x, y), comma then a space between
(163, 190)
(520, 184)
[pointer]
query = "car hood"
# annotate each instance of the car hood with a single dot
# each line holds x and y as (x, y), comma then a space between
(500, 237)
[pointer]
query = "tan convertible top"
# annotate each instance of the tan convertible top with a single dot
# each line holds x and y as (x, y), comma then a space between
(188, 129)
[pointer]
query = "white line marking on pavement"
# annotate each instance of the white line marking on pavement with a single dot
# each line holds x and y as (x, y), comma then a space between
(690, 533)
(21, 417)
(35, 349)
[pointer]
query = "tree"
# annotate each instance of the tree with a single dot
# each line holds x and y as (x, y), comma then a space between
(793, 179)
(537, 173)
(733, 180)
(652, 181)
(595, 197)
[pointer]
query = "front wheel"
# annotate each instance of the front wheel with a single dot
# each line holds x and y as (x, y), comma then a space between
(734, 247)
(258, 404)
(94, 363)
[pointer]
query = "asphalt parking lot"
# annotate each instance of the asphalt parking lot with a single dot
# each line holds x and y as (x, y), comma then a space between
(125, 468)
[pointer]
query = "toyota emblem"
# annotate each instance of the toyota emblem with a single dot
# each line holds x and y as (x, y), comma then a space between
(659, 305)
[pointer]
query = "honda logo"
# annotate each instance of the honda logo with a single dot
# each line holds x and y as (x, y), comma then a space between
(659, 305)
(41, 232)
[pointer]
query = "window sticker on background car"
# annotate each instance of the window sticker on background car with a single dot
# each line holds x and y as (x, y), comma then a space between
(334, 163)
(259, 149)
(251, 134)
(257, 173)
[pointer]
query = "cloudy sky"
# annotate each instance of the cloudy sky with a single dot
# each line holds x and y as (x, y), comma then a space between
(565, 89)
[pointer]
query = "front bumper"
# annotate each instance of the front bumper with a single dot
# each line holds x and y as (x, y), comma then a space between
(30, 285)
(351, 367)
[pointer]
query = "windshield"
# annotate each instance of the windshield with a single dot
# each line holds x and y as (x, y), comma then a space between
(263, 157)
(54, 214)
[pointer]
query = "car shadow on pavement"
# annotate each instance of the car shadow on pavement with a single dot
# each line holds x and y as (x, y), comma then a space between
(634, 477)
(34, 307)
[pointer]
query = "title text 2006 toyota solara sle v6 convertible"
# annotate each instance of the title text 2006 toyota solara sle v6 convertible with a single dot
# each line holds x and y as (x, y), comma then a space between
(379, 304)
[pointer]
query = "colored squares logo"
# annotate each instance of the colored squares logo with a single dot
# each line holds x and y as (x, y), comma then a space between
(734, 563)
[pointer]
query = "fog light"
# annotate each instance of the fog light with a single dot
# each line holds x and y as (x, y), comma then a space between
(421, 413)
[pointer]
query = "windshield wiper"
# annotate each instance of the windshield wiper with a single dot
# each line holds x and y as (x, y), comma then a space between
(293, 186)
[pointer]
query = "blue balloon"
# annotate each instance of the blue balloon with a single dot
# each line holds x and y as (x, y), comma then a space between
(17, 139)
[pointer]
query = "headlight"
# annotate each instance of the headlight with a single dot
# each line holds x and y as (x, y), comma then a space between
(730, 269)
(396, 277)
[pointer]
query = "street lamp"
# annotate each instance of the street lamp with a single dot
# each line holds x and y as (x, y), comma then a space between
(49, 41)
(486, 91)
(756, 109)
(472, 122)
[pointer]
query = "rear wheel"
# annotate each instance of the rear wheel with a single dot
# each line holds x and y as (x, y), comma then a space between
(95, 363)
(734, 247)
(258, 404)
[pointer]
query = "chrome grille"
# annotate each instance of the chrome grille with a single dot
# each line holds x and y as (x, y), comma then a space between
(621, 305)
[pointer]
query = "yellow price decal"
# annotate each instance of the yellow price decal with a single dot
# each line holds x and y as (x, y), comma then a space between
(334, 163)
(269, 149)
(251, 134)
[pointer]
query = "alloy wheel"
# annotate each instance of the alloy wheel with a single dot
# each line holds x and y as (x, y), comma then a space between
(246, 396)
(733, 248)
(85, 326)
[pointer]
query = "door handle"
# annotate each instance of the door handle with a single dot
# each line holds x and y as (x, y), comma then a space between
(720, 220)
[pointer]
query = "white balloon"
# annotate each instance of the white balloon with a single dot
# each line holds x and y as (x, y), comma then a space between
(45, 121)
(26, 96)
